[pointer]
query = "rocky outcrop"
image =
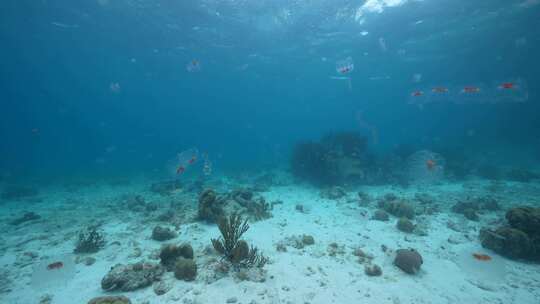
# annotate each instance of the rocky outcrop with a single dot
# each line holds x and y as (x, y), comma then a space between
(520, 239)
(131, 277)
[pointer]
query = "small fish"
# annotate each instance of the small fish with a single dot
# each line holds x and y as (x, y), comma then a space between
(439, 90)
(192, 160)
(507, 85)
(470, 90)
(482, 257)
(417, 93)
(55, 265)
(430, 164)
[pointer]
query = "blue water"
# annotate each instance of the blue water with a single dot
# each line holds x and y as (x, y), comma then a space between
(264, 81)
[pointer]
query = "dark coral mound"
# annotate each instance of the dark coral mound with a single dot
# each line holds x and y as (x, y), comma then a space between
(408, 260)
(520, 239)
(336, 158)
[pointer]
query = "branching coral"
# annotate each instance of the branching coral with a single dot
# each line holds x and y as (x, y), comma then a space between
(90, 240)
(232, 248)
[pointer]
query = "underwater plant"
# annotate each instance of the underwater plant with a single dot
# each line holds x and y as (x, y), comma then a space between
(232, 248)
(90, 241)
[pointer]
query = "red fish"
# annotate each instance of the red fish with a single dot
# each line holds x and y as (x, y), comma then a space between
(417, 93)
(430, 164)
(470, 90)
(482, 257)
(180, 170)
(55, 265)
(439, 90)
(507, 85)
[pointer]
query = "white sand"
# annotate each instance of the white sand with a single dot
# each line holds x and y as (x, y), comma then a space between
(307, 275)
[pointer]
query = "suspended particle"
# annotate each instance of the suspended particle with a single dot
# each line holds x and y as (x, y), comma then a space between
(345, 66)
(115, 87)
(207, 165)
(382, 44)
(193, 66)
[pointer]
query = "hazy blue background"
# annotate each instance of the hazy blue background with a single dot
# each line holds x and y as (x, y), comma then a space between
(264, 81)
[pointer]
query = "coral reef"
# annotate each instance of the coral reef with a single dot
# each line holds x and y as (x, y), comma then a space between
(162, 234)
(519, 240)
(380, 215)
(110, 300)
(405, 225)
(396, 207)
(90, 240)
(232, 248)
(169, 254)
(131, 277)
(336, 158)
(472, 206)
(212, 206)
(408, 260)
(185, 269)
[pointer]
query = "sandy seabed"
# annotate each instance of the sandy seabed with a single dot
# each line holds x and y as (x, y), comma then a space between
(329, 271)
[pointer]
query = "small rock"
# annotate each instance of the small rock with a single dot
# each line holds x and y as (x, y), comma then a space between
(110, 300)
(88, 261)
(46, 299)
(403, 224)
(372, 270)
(131, 277)
(162, 234)
(232, 300)
(162, 287)
(185, 269)
(380, 215)
(308, 240)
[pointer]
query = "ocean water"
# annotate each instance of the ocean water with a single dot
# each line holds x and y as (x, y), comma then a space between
(345, 133)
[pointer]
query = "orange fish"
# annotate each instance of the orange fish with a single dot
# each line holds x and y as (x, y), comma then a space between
(55, 265)
(430, 164)
(439, 90)
(482, 257)
(507, 85)
(471, 90)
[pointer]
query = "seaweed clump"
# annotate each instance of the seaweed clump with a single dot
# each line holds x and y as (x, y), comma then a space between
(232, 248)
(336, 158)
(90, 241)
